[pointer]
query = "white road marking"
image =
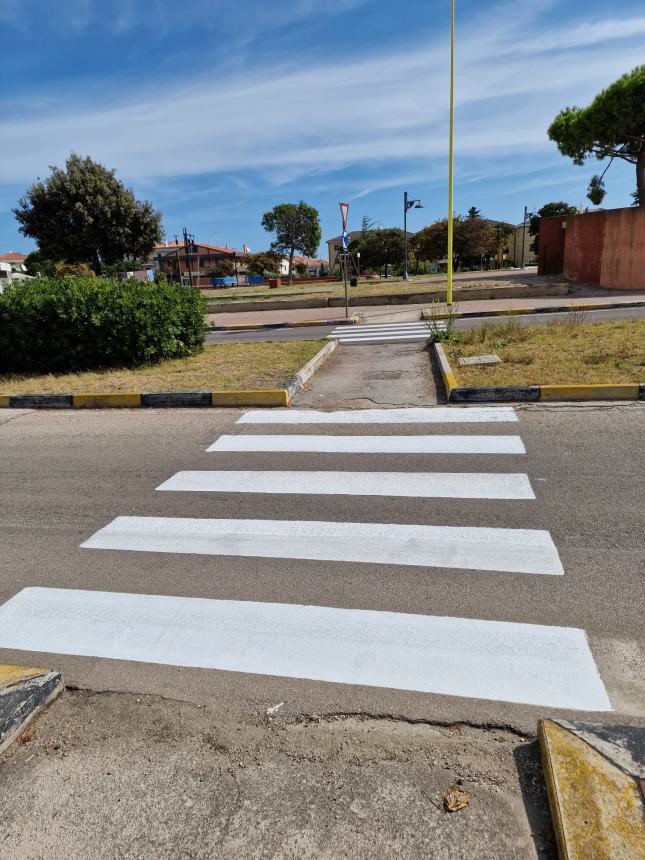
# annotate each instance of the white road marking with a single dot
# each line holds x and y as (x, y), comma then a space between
(375, 338)
(504, 661)
(372, 444)
(413, 415)
(377, 326)
(425, 485)
(468, 548)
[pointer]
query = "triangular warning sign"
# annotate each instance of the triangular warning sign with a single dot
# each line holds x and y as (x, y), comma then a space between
(344, 209)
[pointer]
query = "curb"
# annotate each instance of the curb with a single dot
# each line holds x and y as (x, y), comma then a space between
(533, 393)
(353, 320)
(511, 312)
(259, 397)
(595, 778)
(24, 692)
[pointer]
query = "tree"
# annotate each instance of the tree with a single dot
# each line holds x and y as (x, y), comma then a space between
(612, 126)
(262, 262)
(382, 247)
(431, 243)
(84, 214)
(297, 228)
(473, 238)
(474, 212)
(36, 264)
(547, 211)
(222, 268)
(366, 224)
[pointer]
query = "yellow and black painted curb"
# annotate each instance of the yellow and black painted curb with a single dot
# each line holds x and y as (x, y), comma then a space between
(594, 777)
(533, 393)
(353, 320)
(259, 397)
(24, 692)
(429, 314)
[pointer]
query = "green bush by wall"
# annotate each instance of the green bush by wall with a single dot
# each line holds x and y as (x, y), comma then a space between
(57, 326)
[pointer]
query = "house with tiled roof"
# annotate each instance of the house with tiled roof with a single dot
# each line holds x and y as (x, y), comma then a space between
(12, 257)
(196, 265)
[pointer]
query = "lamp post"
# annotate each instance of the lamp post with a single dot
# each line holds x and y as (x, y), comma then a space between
(407, 204)
(527, 215)
(358, 263)
(451, 148)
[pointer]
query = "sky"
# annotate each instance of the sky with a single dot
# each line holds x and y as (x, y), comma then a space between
(216, 110)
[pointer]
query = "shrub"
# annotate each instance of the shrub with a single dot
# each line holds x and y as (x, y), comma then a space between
(79, 270)
(57, 326)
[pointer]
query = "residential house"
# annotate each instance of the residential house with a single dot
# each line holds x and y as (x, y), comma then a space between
(315, 266)
(519, 247)
(335, 246)
(196, 266)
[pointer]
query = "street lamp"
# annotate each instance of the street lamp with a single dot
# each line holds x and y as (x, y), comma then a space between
(358, 263)
(407, 204)
(527, 215)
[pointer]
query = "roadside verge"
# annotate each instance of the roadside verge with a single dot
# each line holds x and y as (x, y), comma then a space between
(532, 393)
(261, 397)
(24, 692)
(429, 314)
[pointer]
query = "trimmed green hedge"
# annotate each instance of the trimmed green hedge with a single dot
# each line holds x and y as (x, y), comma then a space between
(57, 326)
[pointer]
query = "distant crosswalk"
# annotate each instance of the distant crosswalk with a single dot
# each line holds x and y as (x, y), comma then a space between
(477, 658)
(383, 333)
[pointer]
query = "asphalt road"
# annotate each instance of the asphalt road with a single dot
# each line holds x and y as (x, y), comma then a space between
(317, 332)
(68, 474)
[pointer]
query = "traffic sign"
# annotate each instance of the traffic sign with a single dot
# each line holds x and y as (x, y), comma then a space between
(344, 209)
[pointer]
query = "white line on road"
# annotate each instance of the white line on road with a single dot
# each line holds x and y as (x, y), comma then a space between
(378, 337)
(425, 485)
(372, 444)
(413, 415)
(505, 661)
(467, 548)
(376, 326)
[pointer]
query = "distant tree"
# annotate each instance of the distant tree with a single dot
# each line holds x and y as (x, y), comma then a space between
(297, 228)
(500, 240)
(84, 214)
(431, 243)
(473, 239)
(473, 212)
(547, 211)
(109, 270)
(301, 269)
(262, 262)
(366, 224)
(222, 268)
(612, 126)
(36, 264)
(382, 247)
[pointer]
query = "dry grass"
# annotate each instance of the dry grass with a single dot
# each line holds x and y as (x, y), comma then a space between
(573, 351)
(220, 367)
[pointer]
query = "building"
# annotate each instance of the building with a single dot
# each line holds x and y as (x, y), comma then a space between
(335, 246)
(13, 257)
(198, 266)
(521, 237)
(315, 266)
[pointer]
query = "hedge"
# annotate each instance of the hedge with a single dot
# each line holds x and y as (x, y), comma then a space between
(57, 326)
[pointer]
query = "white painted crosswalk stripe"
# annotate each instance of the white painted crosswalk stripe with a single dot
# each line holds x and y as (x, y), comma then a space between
(469, 548)
(384, 332)
(371, 444)
(379, 339)
(511, 662)
(413, 415)
(426, 485)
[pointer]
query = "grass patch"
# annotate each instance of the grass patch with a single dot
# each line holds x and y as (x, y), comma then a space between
(220, 367)
(563, 353)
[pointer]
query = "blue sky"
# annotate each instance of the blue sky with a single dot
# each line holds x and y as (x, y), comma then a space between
(215, 110)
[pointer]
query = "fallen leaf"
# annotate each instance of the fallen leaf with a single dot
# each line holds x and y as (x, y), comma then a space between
(455, 798)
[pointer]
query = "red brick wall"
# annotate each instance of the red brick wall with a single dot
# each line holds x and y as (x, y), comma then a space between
(551, 245)
(583, 247)
(623, 259)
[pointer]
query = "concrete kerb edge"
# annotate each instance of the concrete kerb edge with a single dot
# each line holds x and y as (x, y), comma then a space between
(534, 393)
(296, 382)
(597, 805)
(24, 692)
(353, 320)
(510, 312)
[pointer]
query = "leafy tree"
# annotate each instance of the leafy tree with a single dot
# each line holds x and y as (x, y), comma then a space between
(473, 238)
(36, 264)
(382, 247)
(110, 270)
(366, 224)
(500, 240)
(222, 268)
(474, 212)
(612, 126)
(262, 262)
(84, 214)
(76, 270)
(431, 243)
(547, 211)
(297, 228)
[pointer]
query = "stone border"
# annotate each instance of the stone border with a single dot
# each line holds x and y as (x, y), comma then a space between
(353, 320)
(24, 692)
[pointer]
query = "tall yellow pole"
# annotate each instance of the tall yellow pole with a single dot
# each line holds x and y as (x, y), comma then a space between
(451, 149)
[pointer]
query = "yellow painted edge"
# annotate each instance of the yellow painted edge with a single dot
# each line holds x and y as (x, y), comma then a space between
(5, 401)
(259, 397)
(10, 674)
(595, 806)
(621, 391)
(99, 401)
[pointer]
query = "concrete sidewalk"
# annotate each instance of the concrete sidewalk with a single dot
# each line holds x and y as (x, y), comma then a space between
(578, 295)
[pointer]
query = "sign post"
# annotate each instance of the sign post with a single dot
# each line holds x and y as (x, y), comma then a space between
(344, 209)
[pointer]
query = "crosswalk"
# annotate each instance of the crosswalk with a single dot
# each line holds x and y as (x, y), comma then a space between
(384, 333)
(516, 662)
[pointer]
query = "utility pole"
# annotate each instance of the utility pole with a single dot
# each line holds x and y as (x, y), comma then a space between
(189, 244)
(451, 150)
(526, 215)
